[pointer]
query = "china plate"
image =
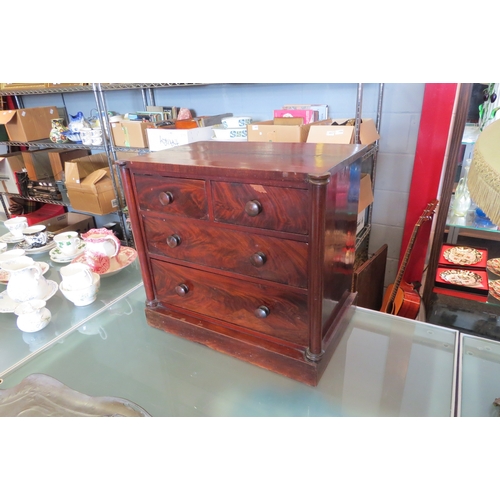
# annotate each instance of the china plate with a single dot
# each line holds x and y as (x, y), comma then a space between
(493, 265)
(5, 275)
(124, 258)
(494, 288)
(29, 250)
(57, 256)
(7, 305)
(462, 277)
(10, 238)
(464, 256)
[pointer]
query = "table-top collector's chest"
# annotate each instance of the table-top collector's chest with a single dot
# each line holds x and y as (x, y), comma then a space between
(248, 247)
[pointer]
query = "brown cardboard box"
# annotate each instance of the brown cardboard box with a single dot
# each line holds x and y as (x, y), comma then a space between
(37, 164)
(131, 134)
(28, 124)
(58, 158)
(69, 221)
(278, 130)
(9, 164)
(325, 132)
(365, 199)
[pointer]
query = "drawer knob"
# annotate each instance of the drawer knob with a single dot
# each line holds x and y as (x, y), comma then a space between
(253, 208)
(166, 198)
(181, 290)
(262, 312)
(174, 240)
(258, 259)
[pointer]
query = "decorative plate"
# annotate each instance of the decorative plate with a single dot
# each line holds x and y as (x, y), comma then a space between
(5, 275)
(462, 277)
(124, 258)
(493, 265)
(10, 238)
(57, 256)
(27, 248)
(7, 305)
(494, 288)
(464, 256)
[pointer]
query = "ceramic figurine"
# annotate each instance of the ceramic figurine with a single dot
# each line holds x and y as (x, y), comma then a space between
(58, 132)
(77, 122)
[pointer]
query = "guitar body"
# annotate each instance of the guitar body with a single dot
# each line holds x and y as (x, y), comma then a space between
(406, 302)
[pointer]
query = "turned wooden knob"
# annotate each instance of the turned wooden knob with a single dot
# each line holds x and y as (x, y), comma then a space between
(173, 240)
(253, 208)
(181, 290)
(258, 259)
(262, 312)
(166, 198)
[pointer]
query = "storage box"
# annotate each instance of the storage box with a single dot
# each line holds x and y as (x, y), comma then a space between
(58, 158)
(38, 165)
(469, 281)
(322, 109)
(10, 163)
(326, 132)
(307, 115)
(278, 130)
(365, 199)
(462, 257)
(45, 212)
(28, 124)
(89, 184)
(131, 134)
(165, 138)
(70, 221)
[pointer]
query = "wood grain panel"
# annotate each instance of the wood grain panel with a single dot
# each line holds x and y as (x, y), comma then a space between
(229, 250)
(188, 196)
(282, 209)
(234, 301)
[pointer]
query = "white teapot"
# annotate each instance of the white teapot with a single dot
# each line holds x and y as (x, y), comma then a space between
(26, 280)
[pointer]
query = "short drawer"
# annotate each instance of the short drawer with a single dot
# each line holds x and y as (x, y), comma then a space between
(265, 309)
(184, 197)
(267, 207)
(265, 257)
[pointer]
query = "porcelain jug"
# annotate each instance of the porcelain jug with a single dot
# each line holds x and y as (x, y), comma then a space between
(101, 246)
(26, 280)
(32, 316)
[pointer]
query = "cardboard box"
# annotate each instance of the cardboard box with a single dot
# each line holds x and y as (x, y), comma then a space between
(325, 132)
(38, 165)
(28, 124)
(322, 109)
(278, 130)
(70, 221)
(10, 163)
(365, 199)
(59, 157)
(131, 134)
(165, 138)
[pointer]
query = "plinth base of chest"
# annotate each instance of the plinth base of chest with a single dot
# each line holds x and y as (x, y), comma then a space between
(280, 359)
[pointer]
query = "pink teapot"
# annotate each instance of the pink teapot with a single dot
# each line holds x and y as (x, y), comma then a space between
(101, 246)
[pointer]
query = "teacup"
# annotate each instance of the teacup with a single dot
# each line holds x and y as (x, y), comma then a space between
(35, 236)
(68, 242)
(86, 136)
(16, 226)
(11, 255)
(76, 276)
(83, 296)
(96, 136)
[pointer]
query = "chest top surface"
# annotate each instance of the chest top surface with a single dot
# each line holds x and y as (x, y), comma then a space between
(270, 160)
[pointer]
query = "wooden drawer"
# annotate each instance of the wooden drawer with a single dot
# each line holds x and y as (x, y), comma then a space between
(257, 205)
(233, 301)
(265, 257)
(184, 197)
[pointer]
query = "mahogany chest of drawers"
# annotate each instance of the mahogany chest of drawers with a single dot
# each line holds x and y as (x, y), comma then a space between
(249, 247)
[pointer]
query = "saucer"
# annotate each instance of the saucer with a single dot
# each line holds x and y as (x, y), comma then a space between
(5, 275)
(7, 305)
(124, 258)
(10, 238)
(27, 248)
(57, 256)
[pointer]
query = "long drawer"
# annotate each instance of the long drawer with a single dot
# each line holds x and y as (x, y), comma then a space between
(265, 257)
(257, 205)
(171, 195)
(272, 311)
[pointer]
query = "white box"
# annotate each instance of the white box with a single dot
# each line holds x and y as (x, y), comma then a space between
(165, 138)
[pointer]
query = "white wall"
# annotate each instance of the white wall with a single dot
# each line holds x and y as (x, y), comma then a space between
(401, 109)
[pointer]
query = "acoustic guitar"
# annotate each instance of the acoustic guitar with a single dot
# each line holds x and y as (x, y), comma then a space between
(401, 298)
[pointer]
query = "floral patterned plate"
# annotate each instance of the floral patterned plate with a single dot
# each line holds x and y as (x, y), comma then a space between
(493, 265)
(464, 256)
(462, 277)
